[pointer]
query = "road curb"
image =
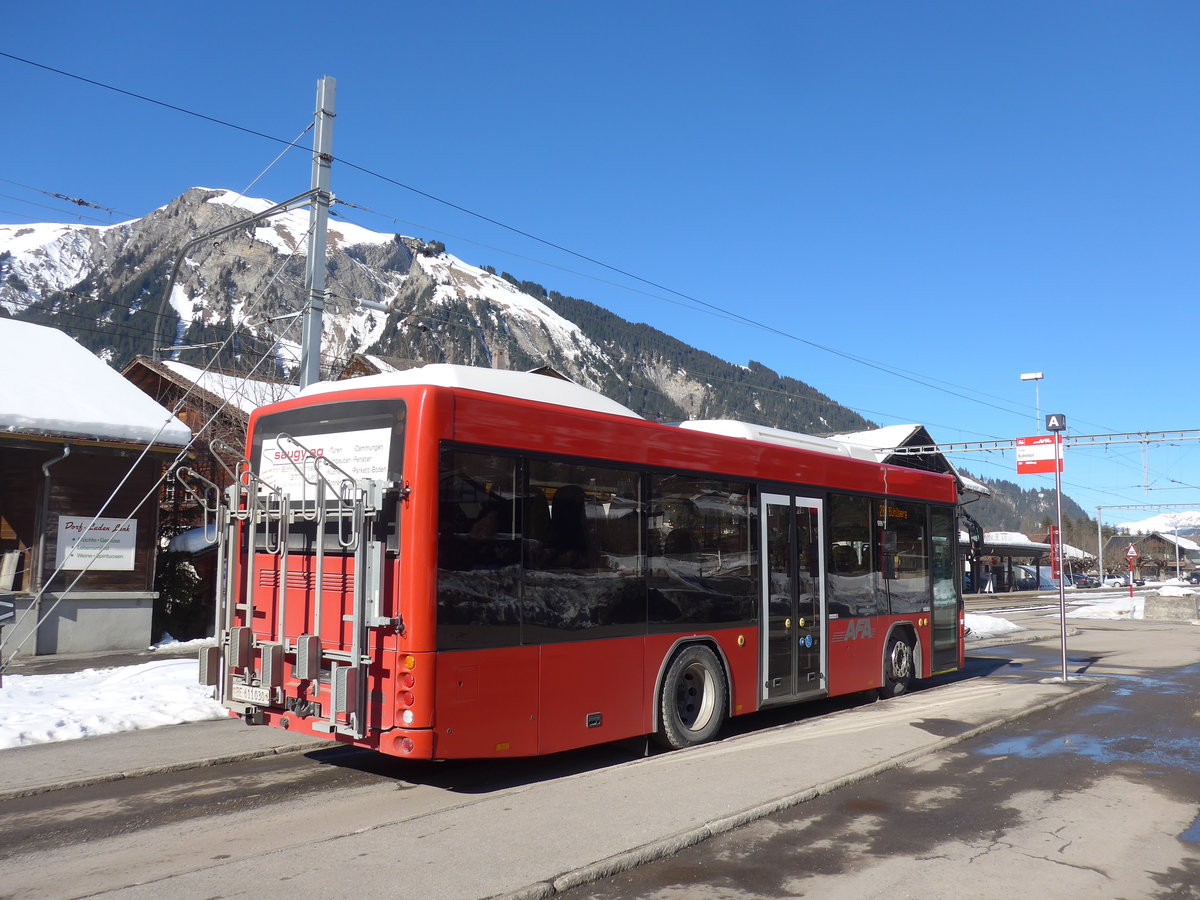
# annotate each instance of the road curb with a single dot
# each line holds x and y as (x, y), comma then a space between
(166, 769)
(664, 847)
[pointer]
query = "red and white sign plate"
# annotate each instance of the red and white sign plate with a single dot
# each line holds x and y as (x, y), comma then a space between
(1035, 455)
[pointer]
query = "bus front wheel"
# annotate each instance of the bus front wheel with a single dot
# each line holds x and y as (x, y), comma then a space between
(693, 699)
(899, 667)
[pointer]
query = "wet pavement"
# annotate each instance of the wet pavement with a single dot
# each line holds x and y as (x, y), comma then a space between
(1098, 796)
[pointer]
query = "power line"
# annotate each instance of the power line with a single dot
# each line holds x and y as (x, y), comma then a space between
(76, 200)
(143, 97)
(51, 208)
(898, 373)
(697, 304)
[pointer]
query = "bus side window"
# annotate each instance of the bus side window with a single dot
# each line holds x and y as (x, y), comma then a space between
(570, 545)
(479, 551)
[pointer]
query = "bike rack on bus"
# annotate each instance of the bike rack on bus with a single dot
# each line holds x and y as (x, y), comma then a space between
(261, 508)
(356, 506)
(218, 524)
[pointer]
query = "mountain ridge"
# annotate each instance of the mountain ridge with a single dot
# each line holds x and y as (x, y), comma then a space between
(105, 285)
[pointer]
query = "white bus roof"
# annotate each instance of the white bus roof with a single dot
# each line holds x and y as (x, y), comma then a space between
(504, 382)
(750, 432)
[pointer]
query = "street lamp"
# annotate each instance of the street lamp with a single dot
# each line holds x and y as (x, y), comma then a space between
(1035, 377)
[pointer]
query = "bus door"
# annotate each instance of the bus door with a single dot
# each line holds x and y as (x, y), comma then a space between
(946, 601)
(793, 599)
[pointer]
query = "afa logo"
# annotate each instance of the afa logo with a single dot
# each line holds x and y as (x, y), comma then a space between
(858, 628)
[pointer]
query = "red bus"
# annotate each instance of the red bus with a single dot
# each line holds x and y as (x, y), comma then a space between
(456, 562)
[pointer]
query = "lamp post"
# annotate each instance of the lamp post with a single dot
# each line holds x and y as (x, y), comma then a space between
(1035, 377)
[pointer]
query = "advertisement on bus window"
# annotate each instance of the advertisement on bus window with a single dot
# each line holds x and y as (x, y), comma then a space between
(295, 465)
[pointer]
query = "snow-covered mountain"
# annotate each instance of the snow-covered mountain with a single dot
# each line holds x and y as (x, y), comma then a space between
(107, 287)
(1187, 523)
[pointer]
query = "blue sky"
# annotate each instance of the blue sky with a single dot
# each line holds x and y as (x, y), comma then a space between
(953, 193)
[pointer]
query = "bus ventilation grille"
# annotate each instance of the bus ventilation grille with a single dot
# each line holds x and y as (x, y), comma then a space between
(336, 582)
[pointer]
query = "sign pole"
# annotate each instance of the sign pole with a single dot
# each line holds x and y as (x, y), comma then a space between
(1056, 424)
(1036, 455)
(1062, 593)
(1131, 554)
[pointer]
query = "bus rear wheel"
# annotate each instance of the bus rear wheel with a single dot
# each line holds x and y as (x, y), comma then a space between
(899, 667)
(693, 699)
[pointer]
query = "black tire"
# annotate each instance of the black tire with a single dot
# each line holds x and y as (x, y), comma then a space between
(899, 667)
(693, 699)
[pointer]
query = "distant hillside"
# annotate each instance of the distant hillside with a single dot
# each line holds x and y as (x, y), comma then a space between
(1030, 510)
(106, 287)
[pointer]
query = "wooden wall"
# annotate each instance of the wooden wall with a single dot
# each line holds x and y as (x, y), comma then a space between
(79, 485)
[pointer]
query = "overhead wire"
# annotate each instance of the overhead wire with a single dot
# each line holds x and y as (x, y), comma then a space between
(922, 380)
(699, 304)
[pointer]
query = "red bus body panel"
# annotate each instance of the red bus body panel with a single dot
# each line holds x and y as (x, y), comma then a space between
(537, 699)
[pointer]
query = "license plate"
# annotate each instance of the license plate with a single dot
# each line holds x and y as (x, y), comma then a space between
(259, 696)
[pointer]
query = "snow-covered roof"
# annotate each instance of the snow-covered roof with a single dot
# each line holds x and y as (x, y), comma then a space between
(970, 484)
(381, 364)
(54, 386)
(1016, 539)
(525, 385)
(193, 540)
(242, 392)
(750, 432)
(880, 440)
(1012, 539)
(1182, 542)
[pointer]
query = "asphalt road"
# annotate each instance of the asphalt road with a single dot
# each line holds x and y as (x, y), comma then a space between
(1097, 797)
(218, 809)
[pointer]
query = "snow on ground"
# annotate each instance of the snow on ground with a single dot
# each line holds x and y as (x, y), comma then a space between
(38, 709)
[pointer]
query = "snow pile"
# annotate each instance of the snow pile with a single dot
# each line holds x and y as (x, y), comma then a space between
(983, 627)
(37, 709)
(1108, 606)
(1175, 588)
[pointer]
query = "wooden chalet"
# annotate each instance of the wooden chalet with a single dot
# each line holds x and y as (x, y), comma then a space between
(1160, 554)
(81, 455)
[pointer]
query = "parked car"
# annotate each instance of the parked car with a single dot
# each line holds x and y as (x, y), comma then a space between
(1122, 581)
(1029, 578)
(1194, 577)
(1085, 581)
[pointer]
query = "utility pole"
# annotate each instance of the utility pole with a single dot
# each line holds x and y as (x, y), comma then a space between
(318, 217)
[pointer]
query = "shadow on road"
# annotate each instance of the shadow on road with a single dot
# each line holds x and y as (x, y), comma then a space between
(481, 776)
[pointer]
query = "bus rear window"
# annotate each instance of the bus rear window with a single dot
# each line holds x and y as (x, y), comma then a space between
(309, 455)
(358, 440)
